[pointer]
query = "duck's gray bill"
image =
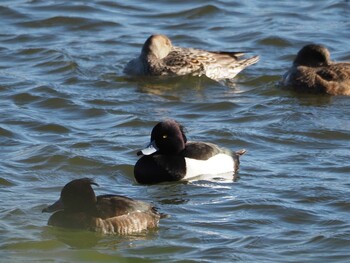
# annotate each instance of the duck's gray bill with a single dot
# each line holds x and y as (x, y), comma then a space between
(151, 148)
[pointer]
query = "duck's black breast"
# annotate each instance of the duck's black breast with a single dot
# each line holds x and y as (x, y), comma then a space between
(78, 220)
(158, 168)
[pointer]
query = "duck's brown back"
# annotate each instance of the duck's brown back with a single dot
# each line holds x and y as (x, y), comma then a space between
(108, 206)
(333, 79)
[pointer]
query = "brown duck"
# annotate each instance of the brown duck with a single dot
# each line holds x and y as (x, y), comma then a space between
(79, 208)
(160, 58)
(313, 71)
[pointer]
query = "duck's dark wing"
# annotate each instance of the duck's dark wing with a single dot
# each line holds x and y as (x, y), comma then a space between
(115, 205)
(333, 79)
(202, 150)
(335, 72)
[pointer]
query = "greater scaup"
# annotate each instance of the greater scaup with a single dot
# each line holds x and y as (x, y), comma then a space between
(79, 208)
(160, 58)
(313, 71)
(170, 157)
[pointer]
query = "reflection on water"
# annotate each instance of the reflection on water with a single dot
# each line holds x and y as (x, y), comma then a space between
(78, 239)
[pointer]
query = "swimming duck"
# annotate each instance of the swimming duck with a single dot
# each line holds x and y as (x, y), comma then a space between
(160, 58)
(79, 208)
(313, 71)
(170, 157)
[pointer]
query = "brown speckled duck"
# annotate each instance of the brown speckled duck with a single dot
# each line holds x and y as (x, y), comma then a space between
(160, 58)
(313, 71)
(79, 208)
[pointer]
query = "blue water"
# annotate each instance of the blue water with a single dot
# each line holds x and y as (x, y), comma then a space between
(67, 111)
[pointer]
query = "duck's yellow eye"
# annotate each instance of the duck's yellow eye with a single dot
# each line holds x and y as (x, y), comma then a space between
(165, 136)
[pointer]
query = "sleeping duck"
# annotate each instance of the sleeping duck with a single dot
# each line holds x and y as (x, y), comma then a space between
(79, 208)
(170, 157)
(313, 71)
(160, 58)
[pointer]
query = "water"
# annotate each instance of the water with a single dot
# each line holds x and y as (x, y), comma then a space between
(67, 111)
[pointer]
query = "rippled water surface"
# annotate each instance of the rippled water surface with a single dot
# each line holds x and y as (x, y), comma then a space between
(67, 111)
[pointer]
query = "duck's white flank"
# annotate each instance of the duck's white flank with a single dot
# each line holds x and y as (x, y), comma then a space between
(218, 164)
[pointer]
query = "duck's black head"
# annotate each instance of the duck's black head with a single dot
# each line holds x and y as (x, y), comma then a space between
(313, 56)
(76, 196)
(169, 137)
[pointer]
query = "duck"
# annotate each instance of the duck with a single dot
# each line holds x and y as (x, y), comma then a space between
(313, 71)
(79, 208)
(160, 58)
(170, 157)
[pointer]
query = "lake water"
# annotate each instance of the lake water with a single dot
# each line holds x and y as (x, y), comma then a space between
(67, 111)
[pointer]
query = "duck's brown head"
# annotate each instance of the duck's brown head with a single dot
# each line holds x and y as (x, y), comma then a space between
(157, 45)
(76, 196)
(313, 56)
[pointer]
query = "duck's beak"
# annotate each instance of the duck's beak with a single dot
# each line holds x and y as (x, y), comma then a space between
(58, 205)
(150, 148)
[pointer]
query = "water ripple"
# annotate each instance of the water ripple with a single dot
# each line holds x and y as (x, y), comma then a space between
(68, 111)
